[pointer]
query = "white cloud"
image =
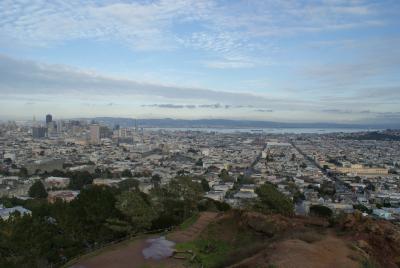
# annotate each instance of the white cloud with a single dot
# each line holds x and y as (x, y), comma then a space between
(232, 28)
(24, 78)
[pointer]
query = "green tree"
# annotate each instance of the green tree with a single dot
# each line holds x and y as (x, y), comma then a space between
(362, 208)
(321, 211)
(126, 173)
(224, 176)
(241, 179)
(205, 185)
(23, 172)
(271, 200)
(177, 200)
(37, 190)
(86, 216)
(129, 184)
(29, 241)
(137, 209)
(199, 162)
(156, 180)
(79, 179)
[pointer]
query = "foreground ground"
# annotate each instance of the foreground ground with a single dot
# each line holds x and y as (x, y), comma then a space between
(247, 239)
(129, 254)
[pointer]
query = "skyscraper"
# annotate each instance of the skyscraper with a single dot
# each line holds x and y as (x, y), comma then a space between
(98, 132)
(49, 119)
(94, 134)
(38, 132)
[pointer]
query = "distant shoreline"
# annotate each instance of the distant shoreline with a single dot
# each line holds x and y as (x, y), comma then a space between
(275, 130)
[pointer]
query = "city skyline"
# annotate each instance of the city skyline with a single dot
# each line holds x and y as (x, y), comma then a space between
(288, 61)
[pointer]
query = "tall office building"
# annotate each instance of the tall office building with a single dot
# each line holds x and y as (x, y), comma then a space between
(49, 119)
(98, 132)
(38, 132)
(60, 125)
(94, 134)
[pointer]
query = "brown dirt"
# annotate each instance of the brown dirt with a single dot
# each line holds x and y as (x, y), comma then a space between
(182, 236)
(378, 238)
(124, 255)
(328, 252)
(129, 254)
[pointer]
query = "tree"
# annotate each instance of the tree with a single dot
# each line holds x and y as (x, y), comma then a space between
(298, 197)
(199, 162)
(321, 211)
(182, 172)
(128, 184)
(126, 173)
(79, 179)
(108, 174)
(37, 190)
(156, 180)
(137, 209)
(224, 176)
(29, 241)
(23, 172)
(362, 208)
(177, 200)
(57, 173)
(205, 185)
(241, 179)
(87, 215)
(271, 200)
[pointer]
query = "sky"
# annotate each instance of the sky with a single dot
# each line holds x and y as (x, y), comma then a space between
(273, 60)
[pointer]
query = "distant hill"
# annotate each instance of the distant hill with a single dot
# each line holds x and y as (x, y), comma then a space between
(225, 123)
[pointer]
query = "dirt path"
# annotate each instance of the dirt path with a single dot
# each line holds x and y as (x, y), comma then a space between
(125, 255)
(193, 231)
(129, 254)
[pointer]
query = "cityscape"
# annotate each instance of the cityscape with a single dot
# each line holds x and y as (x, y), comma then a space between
(200, 134)
(346, 172)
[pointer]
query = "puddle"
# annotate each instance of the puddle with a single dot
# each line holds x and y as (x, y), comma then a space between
(159, 248)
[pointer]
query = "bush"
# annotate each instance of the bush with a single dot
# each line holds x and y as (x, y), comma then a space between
(321, 211)
(271, 200)
(208, 204)
(362, 208)
(37, 190)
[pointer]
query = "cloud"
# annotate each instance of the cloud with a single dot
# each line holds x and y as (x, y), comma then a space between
(264, 110)
(169, 106)
(362, 65)
(21, 78)
(224, 29)
(367, 96)
(140, 25)
(213, 106)
(202, 106)
(389, 115)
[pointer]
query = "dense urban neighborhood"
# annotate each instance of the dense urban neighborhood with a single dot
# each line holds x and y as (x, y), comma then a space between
(86, 184)
(333, 169)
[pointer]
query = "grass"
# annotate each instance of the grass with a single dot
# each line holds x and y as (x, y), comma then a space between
(209, 253)
(367, 263)
(189, 222)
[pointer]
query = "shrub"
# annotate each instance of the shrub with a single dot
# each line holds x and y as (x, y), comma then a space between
(271, 200)
(321, 211)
